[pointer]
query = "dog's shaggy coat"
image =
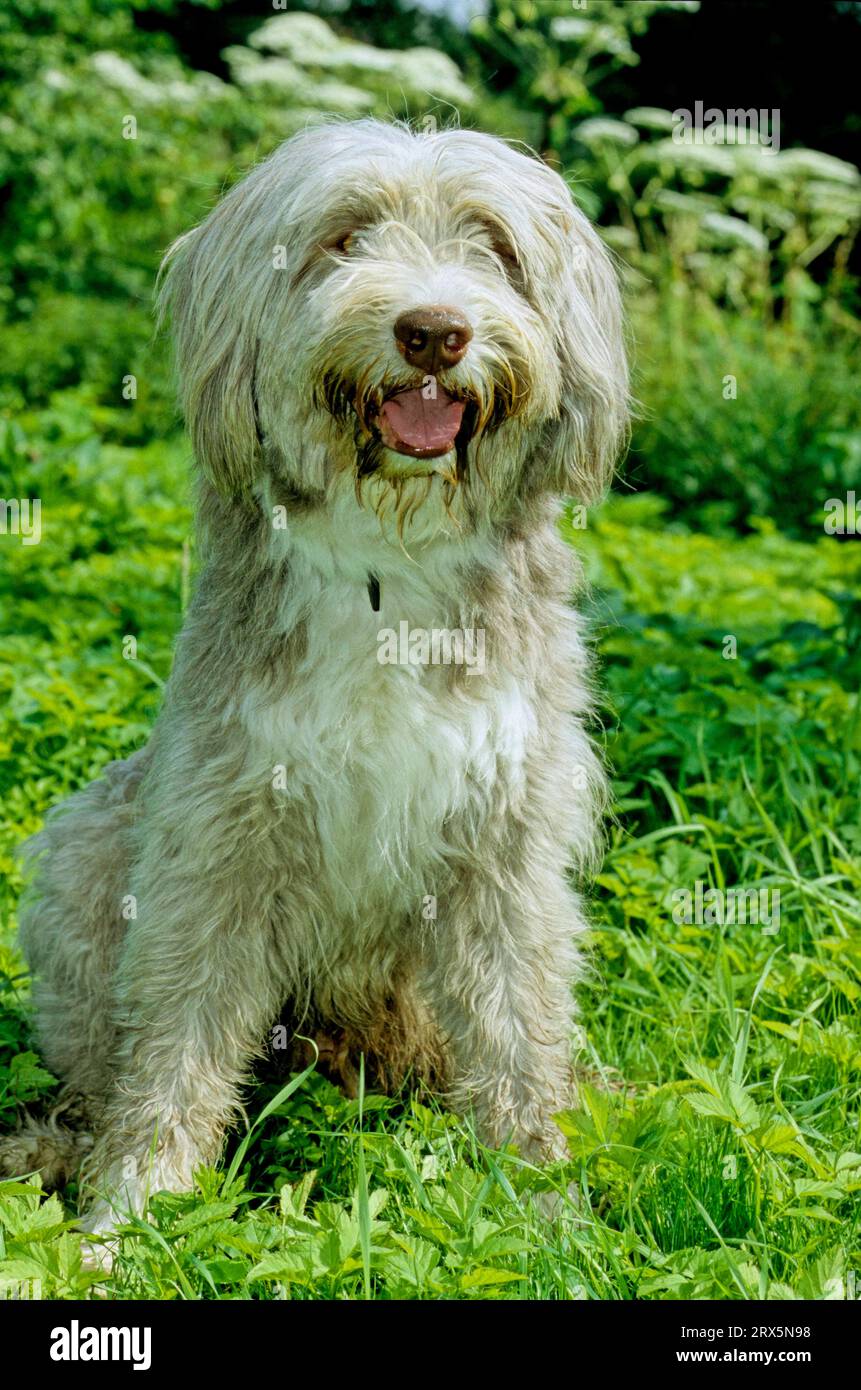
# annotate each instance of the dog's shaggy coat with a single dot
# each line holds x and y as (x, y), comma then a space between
(381, 849)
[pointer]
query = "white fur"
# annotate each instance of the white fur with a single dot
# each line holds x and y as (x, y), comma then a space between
(382, 753)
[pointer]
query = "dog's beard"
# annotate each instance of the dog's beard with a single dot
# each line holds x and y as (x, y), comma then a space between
(357, 405)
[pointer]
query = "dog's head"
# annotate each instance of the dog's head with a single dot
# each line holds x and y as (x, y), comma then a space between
(428, 310)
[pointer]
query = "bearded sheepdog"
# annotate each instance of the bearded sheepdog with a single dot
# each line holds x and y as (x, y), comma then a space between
(370, 798)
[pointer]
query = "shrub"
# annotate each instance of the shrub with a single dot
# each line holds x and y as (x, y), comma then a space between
(742, 418)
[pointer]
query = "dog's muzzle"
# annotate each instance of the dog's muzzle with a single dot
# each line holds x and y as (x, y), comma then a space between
(424, 422)
(419, 419)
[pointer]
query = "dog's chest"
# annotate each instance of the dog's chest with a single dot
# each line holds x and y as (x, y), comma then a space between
(381, 750)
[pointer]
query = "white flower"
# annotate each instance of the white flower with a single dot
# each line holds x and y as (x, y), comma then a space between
(650, 118)
(603, 129)
(119, 73)
(734, 231)
(309, 42)
(813, 164)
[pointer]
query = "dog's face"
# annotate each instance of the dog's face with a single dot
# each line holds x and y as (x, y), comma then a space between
(421, 313)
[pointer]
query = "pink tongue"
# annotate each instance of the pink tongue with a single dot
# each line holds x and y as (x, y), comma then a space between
(424, 428)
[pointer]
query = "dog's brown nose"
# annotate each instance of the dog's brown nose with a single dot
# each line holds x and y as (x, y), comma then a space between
(432, 336)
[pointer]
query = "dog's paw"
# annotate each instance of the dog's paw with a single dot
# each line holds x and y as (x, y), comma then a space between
(556, 1206)
(98, 1258)
(46, 1147)
(101, 1243)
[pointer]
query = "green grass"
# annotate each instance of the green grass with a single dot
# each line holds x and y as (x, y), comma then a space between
(716, 1147)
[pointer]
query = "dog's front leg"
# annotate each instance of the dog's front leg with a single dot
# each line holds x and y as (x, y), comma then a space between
(501, 984)
(198, 985)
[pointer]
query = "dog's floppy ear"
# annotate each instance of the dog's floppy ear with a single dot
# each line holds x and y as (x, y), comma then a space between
(209, 295)
(583, 443)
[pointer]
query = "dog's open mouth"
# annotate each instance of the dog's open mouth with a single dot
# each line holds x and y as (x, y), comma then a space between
(420, 423)
(405, 431)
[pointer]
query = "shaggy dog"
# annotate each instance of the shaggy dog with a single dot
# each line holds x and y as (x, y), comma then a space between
(397, 351)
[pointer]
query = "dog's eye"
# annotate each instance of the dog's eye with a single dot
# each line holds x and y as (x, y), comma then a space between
(342, 244)
(506, 252)
(502, 246)
(339, 244)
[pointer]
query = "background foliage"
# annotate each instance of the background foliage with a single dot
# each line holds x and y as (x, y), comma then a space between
(717, 1143)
